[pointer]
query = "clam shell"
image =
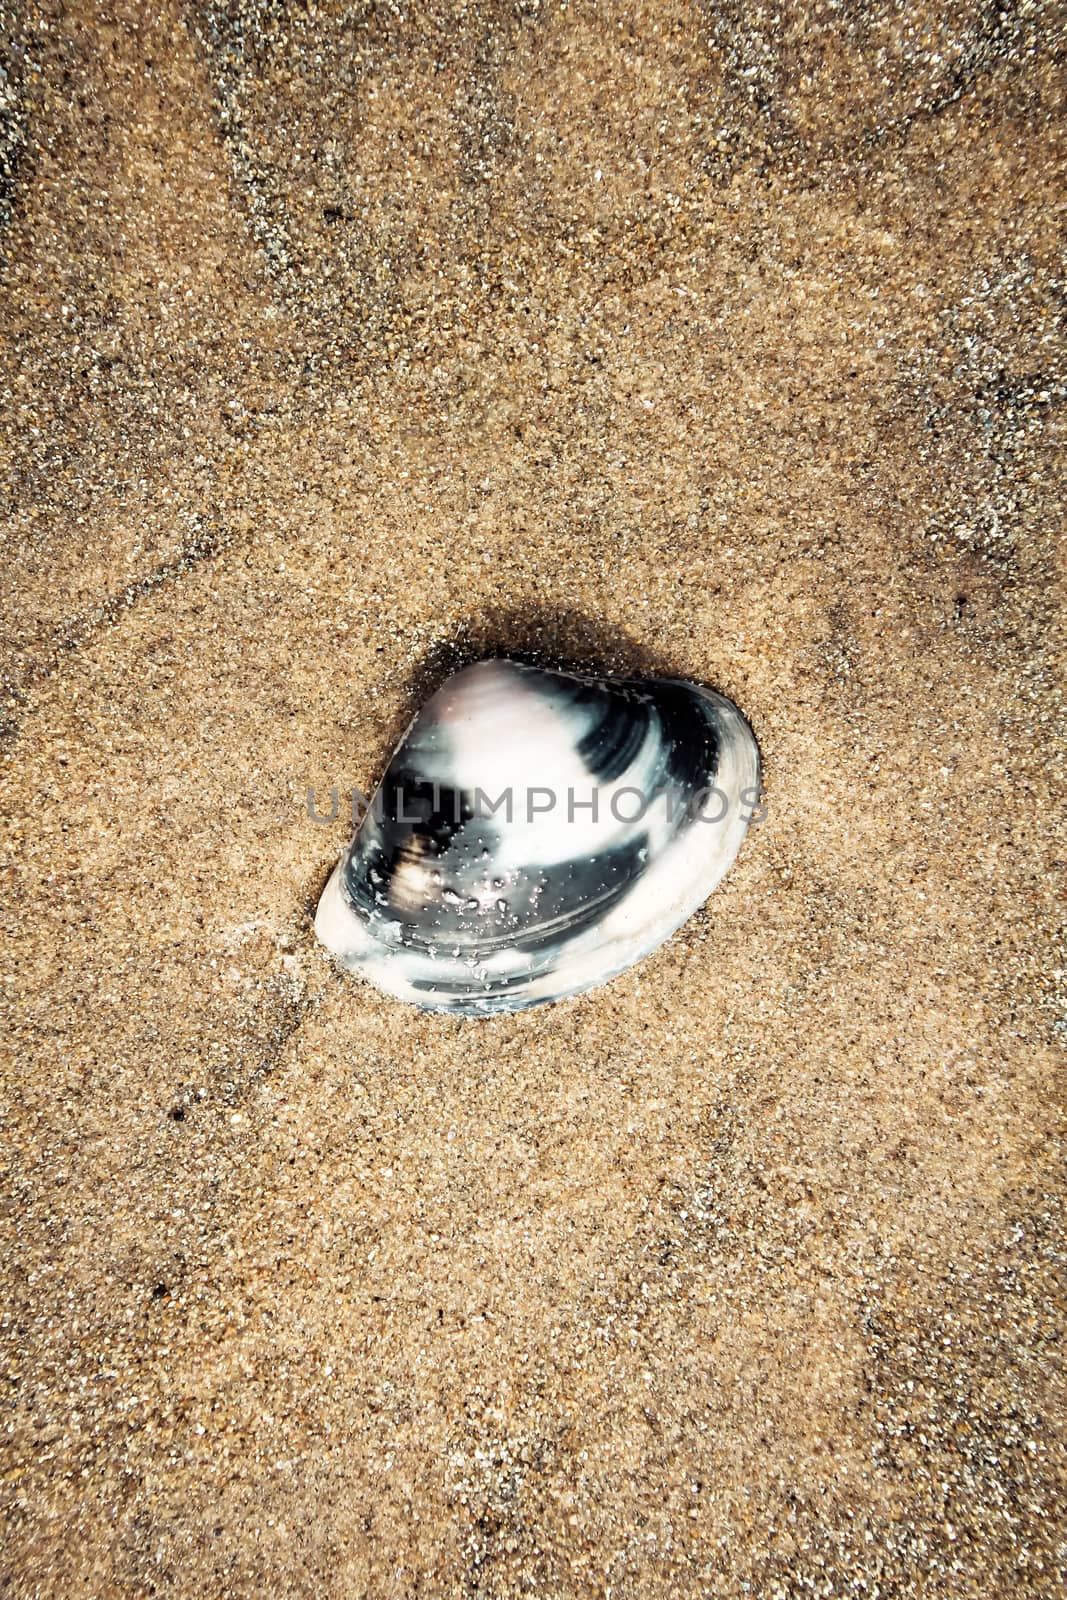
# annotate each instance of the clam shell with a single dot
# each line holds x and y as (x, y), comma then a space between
(536, 833)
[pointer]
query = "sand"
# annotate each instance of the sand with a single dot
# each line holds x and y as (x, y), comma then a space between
(338, 346)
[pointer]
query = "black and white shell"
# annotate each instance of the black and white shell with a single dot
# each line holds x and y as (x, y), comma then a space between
(538, 832)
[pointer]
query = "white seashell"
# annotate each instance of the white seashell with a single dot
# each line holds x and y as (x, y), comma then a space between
(536, 833)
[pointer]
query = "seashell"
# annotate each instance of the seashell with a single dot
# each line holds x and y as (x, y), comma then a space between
(536, 833)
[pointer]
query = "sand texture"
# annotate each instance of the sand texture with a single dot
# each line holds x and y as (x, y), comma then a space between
(339, 345)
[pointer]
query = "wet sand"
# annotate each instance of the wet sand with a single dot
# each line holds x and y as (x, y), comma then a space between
(337, 348)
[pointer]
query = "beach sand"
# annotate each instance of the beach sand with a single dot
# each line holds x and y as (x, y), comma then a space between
(342, 345)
